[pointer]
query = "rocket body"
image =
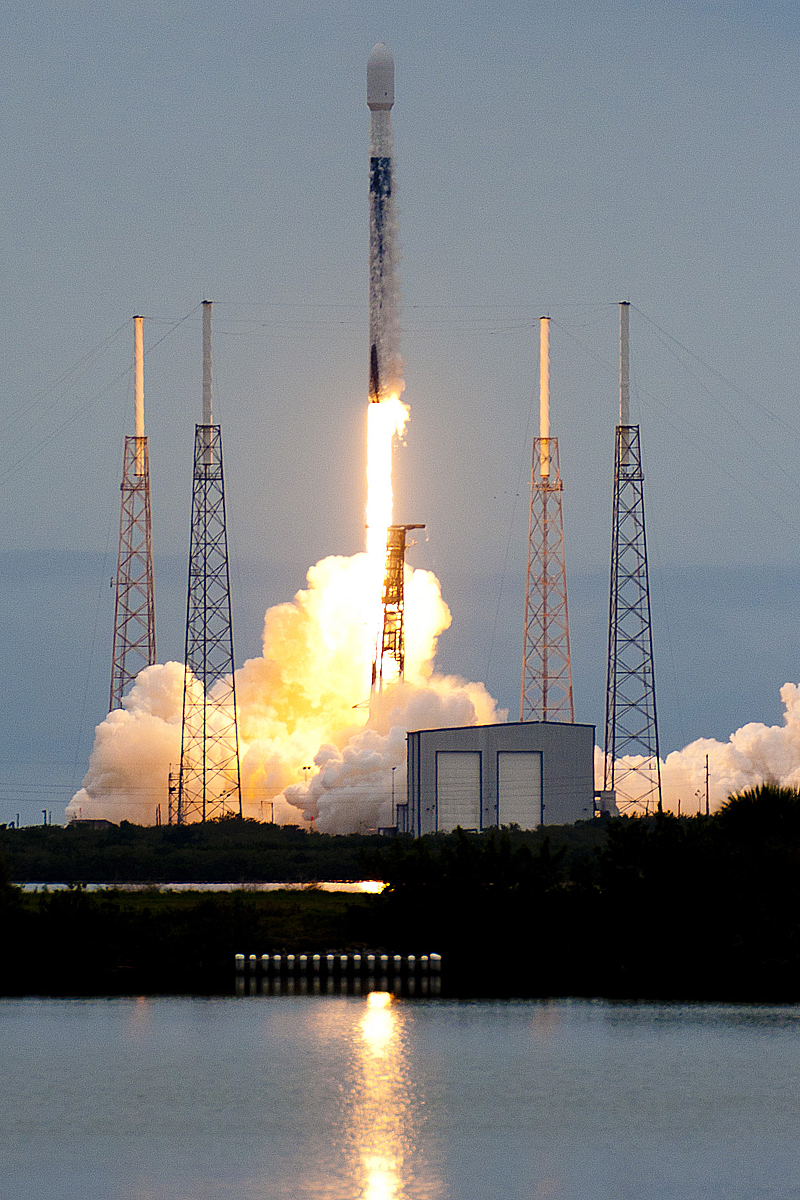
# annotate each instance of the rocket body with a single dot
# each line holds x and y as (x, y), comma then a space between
(385, 367)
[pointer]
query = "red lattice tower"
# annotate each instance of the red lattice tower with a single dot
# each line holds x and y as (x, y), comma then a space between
(546, 693)
(134, 645)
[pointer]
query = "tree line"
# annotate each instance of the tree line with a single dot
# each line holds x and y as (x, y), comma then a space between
(226, 850)
(696, 908)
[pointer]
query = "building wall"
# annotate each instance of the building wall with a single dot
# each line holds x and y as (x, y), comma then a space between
(527, 773)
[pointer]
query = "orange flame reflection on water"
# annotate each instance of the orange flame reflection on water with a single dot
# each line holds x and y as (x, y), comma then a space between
(381, 1137)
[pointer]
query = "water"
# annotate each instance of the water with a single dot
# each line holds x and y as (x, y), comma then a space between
(334, 1098)
(369, 887)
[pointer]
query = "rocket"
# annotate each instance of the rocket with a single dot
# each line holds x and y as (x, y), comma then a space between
(385, 368)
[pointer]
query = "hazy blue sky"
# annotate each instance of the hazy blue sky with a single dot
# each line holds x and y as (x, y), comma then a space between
(551, 157)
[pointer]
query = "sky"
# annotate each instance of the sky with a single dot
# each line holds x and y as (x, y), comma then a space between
(550, 159)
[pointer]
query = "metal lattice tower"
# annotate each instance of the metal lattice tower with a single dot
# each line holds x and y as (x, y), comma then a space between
(391, 643)
(134, 645)
(209, 783)
(631, 725)
(546, 693)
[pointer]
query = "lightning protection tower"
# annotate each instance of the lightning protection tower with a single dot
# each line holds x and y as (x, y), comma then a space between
(632, 764)
(134, 645)
(209, 783)
(546, 665)
(391, 644)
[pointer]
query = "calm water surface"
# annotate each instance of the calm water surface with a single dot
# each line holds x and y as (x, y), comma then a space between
(336, 1098)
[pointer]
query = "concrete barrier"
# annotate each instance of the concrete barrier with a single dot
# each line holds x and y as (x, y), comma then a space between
(338, 973)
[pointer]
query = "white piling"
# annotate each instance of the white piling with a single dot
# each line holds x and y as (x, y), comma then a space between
(544, 396)
(208, 408)
(138, 392)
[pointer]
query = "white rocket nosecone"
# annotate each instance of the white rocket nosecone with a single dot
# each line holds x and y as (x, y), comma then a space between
(380, 78)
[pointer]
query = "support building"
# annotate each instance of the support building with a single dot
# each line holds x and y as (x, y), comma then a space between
(527, 773)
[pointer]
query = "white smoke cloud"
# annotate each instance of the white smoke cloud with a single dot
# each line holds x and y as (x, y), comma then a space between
(134, 748)
(352, 789)
(305, 703)
(754, 754)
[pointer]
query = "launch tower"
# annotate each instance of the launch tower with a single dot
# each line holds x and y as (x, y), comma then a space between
(546, 693)
(134, 645)
(631, 726)
(392, 640)
(209, 783)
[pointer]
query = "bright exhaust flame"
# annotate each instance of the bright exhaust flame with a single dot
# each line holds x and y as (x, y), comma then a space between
(386, 421)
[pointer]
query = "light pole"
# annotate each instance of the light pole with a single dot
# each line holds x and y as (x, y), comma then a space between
(393, 817)
(707, 785)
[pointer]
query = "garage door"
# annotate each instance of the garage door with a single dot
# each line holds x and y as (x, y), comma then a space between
(458, 790)
(519, 788)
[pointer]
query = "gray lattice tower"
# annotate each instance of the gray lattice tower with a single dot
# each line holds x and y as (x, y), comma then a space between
(172, 796)
(546, 693)
(631, 723)
(391, 643)
(209, 783)
(134, 643)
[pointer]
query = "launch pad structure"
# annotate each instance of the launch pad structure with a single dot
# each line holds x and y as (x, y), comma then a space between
(546, 693)
(134, 642)
(209, 782)
(391, 643)
(632, 762)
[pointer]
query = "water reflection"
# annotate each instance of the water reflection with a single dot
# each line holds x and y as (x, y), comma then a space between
(383, 1111)
(304, 1098)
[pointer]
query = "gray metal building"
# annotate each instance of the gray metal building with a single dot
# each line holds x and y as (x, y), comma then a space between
(527, 773)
